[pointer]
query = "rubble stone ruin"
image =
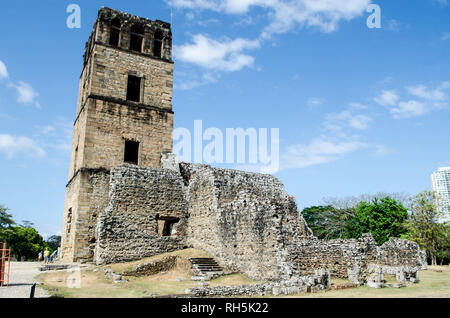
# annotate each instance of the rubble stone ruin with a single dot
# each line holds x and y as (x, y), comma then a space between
(129, 198)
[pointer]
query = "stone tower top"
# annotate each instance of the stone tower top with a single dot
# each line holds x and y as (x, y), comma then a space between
(124, 110)
(129, 32)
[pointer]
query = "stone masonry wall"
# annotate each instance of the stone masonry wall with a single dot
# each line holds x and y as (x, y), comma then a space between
(352, 258)
(105, 119)
(109, 124)
(128, 229)
(243, 219)
(112, 67)
(320, 280)
(87, 195)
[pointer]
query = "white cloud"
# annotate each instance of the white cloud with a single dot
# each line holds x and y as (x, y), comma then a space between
(357, 106)
(215, 55)
(319, 151)
(437, 94)
(314, 102)
(12, 145)
(57, 135)
(26, 94)
(445, 36)
(387, 98)
(283, 16)
(3, 71)
(336, 121)
(360, 122)
(443, 3)
(409, 109)
(383, 150)
(286, 14)
(422, 100)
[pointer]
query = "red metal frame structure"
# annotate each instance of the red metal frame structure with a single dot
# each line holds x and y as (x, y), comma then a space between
(5, 265)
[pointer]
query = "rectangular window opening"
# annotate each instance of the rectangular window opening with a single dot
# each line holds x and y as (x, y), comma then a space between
(131, 152)
(114, 37)
(134, 88)
(157, 48)
(166, 226)
(69, 220)
(136, 42)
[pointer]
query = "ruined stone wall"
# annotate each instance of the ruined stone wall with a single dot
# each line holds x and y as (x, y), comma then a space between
(70, 214)
(87, 194)
(398, 252)
(128, 228)
(353, 258)
(320, 280)
(243, 219)
(341, 257)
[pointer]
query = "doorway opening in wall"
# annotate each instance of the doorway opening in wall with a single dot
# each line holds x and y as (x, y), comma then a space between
(131, 154)
(166, 225)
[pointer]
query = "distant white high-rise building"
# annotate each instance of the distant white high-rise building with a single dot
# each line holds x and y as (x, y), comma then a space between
(440, 181)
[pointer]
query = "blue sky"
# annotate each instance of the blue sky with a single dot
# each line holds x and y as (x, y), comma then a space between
(359, 110)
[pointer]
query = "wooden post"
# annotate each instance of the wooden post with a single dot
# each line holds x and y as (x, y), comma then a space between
(2, 264)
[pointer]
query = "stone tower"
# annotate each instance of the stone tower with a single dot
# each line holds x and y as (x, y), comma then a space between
(124, 114)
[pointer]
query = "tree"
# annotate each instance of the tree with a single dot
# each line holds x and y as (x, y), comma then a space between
(424, 227)
(5, 218)
(443, 252)
(24, 242)
(54, 242)
(336, 218)
(26, 224)
(383, 218)
(327, 222)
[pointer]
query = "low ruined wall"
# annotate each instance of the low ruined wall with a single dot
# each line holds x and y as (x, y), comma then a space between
(320, 280)
(152, 268)
(398, 252)
(128, 229)
(352, 258)
(338, 256)
(242, 219)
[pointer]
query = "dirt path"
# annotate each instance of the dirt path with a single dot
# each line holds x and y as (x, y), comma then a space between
(21, 279)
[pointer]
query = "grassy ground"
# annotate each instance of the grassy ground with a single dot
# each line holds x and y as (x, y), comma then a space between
(95, 284)
(434, 282)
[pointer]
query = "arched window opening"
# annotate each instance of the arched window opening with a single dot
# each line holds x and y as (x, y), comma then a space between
(136, 38)
(114, 34)
(157, 43)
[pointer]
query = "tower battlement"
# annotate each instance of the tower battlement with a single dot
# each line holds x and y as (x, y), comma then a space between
(131, 33)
